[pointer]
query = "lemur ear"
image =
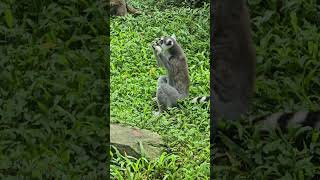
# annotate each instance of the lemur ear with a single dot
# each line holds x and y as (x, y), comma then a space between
(173, 36)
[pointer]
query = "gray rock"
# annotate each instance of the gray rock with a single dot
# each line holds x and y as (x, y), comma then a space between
(128, 140)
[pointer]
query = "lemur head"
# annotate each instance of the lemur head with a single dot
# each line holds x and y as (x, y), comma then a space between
(167, 42)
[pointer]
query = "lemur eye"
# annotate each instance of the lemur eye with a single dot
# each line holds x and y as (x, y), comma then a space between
(169, 42)
(161, 41)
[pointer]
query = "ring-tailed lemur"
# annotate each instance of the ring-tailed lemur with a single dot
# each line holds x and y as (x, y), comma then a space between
(175, 85)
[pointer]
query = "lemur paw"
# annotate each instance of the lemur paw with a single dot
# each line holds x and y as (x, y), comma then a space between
(158, 49)
(156, 46)
(155, 42)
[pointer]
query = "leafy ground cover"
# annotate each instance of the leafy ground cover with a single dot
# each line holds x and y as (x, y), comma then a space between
(288, 60)
(134, 75)
(53, 68)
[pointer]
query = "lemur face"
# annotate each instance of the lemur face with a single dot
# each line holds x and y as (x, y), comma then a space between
(166, 42)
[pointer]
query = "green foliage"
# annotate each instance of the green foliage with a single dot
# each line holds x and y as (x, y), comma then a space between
(245, 154)
(179, 3)
(287, 46)
(126, 167)
(168, 4)
(134, 75)
(52, 98)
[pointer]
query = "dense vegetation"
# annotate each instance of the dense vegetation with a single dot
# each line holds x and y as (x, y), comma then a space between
(287, 43)
(134, 75)
(178, 3)
(52, 89)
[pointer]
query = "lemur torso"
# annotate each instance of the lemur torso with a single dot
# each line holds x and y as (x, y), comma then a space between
(175, 85)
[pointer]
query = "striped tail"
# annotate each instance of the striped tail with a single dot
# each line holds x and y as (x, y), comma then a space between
(285, 120)
(201, 99)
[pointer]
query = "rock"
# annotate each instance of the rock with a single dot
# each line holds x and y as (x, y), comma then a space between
(129, 140)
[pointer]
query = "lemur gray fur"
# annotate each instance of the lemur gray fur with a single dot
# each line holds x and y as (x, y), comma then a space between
(175, 85)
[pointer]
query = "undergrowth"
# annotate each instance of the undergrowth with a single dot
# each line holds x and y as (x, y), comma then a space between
(53, 70)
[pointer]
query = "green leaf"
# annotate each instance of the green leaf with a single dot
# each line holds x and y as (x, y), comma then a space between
(43, 107)
(315, 136)
(65, 156)
(294, 21)
(8, 18)
(36, 173)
